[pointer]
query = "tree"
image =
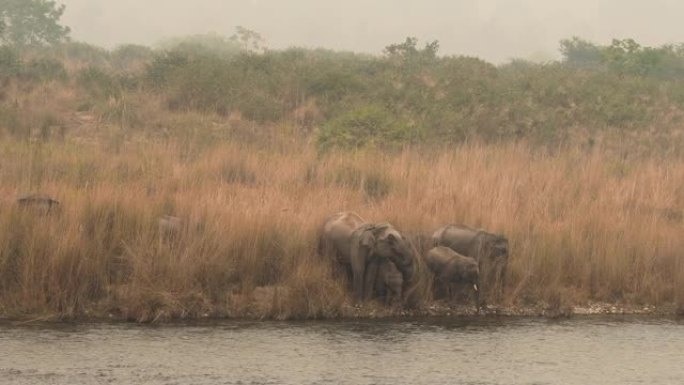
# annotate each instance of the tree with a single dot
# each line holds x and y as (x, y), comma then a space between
(249, 40)
(408, 50)
(31, 22)
(581, 53)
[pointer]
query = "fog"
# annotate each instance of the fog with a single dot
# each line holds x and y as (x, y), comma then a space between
(496, 30)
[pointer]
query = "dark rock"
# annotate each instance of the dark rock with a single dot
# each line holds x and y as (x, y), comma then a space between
(42, 202)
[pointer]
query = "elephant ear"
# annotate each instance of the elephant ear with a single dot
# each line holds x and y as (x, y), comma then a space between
(480, 244)
(367, 239)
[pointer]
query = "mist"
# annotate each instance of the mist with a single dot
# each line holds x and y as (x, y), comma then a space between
(495, 30)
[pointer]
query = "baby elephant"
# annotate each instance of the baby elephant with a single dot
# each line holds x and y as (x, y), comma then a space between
(452, 269)
(389, 283)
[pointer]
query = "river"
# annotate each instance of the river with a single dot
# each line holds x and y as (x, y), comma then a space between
(590, 350)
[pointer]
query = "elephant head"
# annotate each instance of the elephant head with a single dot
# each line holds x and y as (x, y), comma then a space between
(371, 245)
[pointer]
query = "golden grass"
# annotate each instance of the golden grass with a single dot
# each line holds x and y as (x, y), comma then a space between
(582, 225)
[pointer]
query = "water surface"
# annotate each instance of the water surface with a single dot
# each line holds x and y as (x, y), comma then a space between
(616, 350)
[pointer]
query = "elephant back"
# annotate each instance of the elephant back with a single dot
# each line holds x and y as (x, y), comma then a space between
(462, 239)
(336, 235)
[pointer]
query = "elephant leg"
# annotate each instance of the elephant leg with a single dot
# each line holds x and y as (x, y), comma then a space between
(371, 275)
(450, 292)
(502, 281)
(399, 297)
(358, 271)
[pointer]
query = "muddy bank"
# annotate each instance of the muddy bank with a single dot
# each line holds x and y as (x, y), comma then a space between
(438, 309)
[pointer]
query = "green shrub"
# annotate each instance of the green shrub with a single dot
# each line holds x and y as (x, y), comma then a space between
(84, 54)
(10, 62)
(98, 83)
(44, 69)
(130, 55)
(371, 125)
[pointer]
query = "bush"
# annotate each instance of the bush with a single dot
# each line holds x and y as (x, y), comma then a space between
(372, 126)
(10, 62)
(98, 83)
(86, 55)
(130, 56)
(44, 69)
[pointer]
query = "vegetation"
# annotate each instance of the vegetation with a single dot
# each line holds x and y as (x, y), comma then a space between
(578, 162)
(31, 22)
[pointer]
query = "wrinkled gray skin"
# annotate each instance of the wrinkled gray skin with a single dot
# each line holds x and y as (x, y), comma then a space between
(363, 247)
(335, 238)
(372, 245)
(490, 251)
(389, 283)
(452, 269)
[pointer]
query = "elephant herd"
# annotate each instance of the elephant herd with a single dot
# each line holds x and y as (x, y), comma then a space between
(379, 261)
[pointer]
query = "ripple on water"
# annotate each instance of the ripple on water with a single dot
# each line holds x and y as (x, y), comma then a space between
(618, 350)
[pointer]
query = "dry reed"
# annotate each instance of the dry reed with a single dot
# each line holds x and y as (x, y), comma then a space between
(584, 225)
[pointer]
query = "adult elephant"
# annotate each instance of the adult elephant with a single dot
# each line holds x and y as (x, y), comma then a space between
(371, 246)
(452, 270)
(489, 250)
(335, 239)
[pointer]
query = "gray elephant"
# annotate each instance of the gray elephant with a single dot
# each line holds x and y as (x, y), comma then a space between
(452, 269)
(389, 283)
(490, 251)
(335, 239)
(371, 246)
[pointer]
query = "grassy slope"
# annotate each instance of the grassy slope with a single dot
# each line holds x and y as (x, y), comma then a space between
(586, 222)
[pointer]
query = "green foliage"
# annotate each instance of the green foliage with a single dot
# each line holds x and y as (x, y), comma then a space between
(625, 57)
(206, 44)
(10, 62)
(407, 52)
(31, 22)
(98, 83)
(248, 40)
(581, 53)
(370, 125)
(83, 54)
(408, 95)
(126, 56)
(44, 69)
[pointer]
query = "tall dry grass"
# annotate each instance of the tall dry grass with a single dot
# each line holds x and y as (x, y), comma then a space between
(583, 224)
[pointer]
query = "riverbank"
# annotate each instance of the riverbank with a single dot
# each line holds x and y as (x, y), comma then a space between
(583, 226)
(371, 311)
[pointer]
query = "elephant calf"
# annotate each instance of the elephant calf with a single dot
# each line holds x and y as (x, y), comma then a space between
(453, 269)
(389, 283)
(489, 250)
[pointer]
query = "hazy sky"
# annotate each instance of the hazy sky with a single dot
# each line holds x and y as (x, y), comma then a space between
(496, 30)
